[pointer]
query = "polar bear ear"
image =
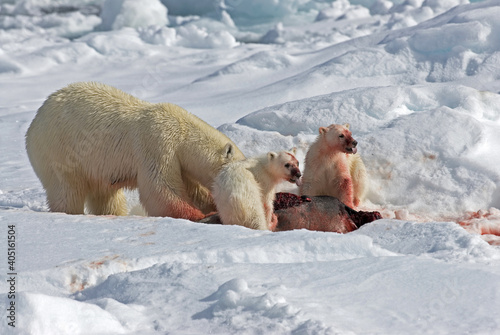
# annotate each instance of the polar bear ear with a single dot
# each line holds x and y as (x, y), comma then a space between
(347, 125)
(323, 130)
(293, 150)
(228, 152)
(271, 155)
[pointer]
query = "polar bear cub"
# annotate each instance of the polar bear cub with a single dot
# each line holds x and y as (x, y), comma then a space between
(333, 168)
(244, 191)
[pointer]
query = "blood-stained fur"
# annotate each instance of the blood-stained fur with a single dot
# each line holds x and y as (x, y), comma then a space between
(333, 167)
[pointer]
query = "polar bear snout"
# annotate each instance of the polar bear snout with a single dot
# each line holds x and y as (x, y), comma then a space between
(295, 172)
(295, 175)
(292, 167)
(351, 147)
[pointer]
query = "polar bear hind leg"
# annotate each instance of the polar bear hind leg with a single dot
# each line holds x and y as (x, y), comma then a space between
(66, 199)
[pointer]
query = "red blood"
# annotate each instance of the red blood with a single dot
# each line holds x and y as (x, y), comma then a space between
(287, 200)
(182, 210)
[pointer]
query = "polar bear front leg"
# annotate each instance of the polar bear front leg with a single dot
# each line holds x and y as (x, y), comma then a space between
(168, 204)
(199, 195)
(164, 202)
(345, 191)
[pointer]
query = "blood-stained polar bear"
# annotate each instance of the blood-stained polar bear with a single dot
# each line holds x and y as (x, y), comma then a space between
(88, 141)
(333, 168)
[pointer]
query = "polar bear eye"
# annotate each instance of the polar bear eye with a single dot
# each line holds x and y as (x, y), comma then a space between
(287, 165)
(341, 136)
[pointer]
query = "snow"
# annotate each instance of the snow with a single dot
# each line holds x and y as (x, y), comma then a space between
(418, 81)
(147, 275)
(128, 13)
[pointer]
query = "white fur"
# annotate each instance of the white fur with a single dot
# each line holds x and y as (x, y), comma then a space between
(359, 177)
(244, 191)
(89, 140)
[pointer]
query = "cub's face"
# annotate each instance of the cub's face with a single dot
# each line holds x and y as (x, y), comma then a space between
(286, 166)
(338, 137)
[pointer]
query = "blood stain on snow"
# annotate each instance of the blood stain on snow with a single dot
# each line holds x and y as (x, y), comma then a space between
(77, 285)
(149, 233)
(99, 263)
(485, 223)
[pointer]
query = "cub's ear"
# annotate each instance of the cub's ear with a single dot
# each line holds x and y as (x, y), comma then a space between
(293, 150)
(228, 151)
(323, 130)
(271, 155)
(347, 125)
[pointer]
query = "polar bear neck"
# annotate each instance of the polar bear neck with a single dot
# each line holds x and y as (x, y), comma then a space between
(262, 170)
(320, 157)
(203, 155)
(206, 164)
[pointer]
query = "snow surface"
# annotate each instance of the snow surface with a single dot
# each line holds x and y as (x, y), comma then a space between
(419, 83)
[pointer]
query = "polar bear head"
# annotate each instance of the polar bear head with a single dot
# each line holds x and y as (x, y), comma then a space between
(285, 166)
(338, 137)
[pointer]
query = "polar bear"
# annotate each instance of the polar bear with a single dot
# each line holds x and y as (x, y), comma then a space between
(88, 141)
(244, 191)
(333, 168)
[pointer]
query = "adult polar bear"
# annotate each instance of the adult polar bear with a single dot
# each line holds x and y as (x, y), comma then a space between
(88, 141)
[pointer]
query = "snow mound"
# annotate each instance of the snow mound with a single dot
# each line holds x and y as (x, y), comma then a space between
(249, 140)
(125, 42)
(471, 35)
(234, 306)
(269, 310)
(117, 14)
(43, 314)
(195, 36)
(158, 35)
(260, 61)
(62, 19)
(473, 29)
(368, 108)
(444, 241)
(343, 9)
